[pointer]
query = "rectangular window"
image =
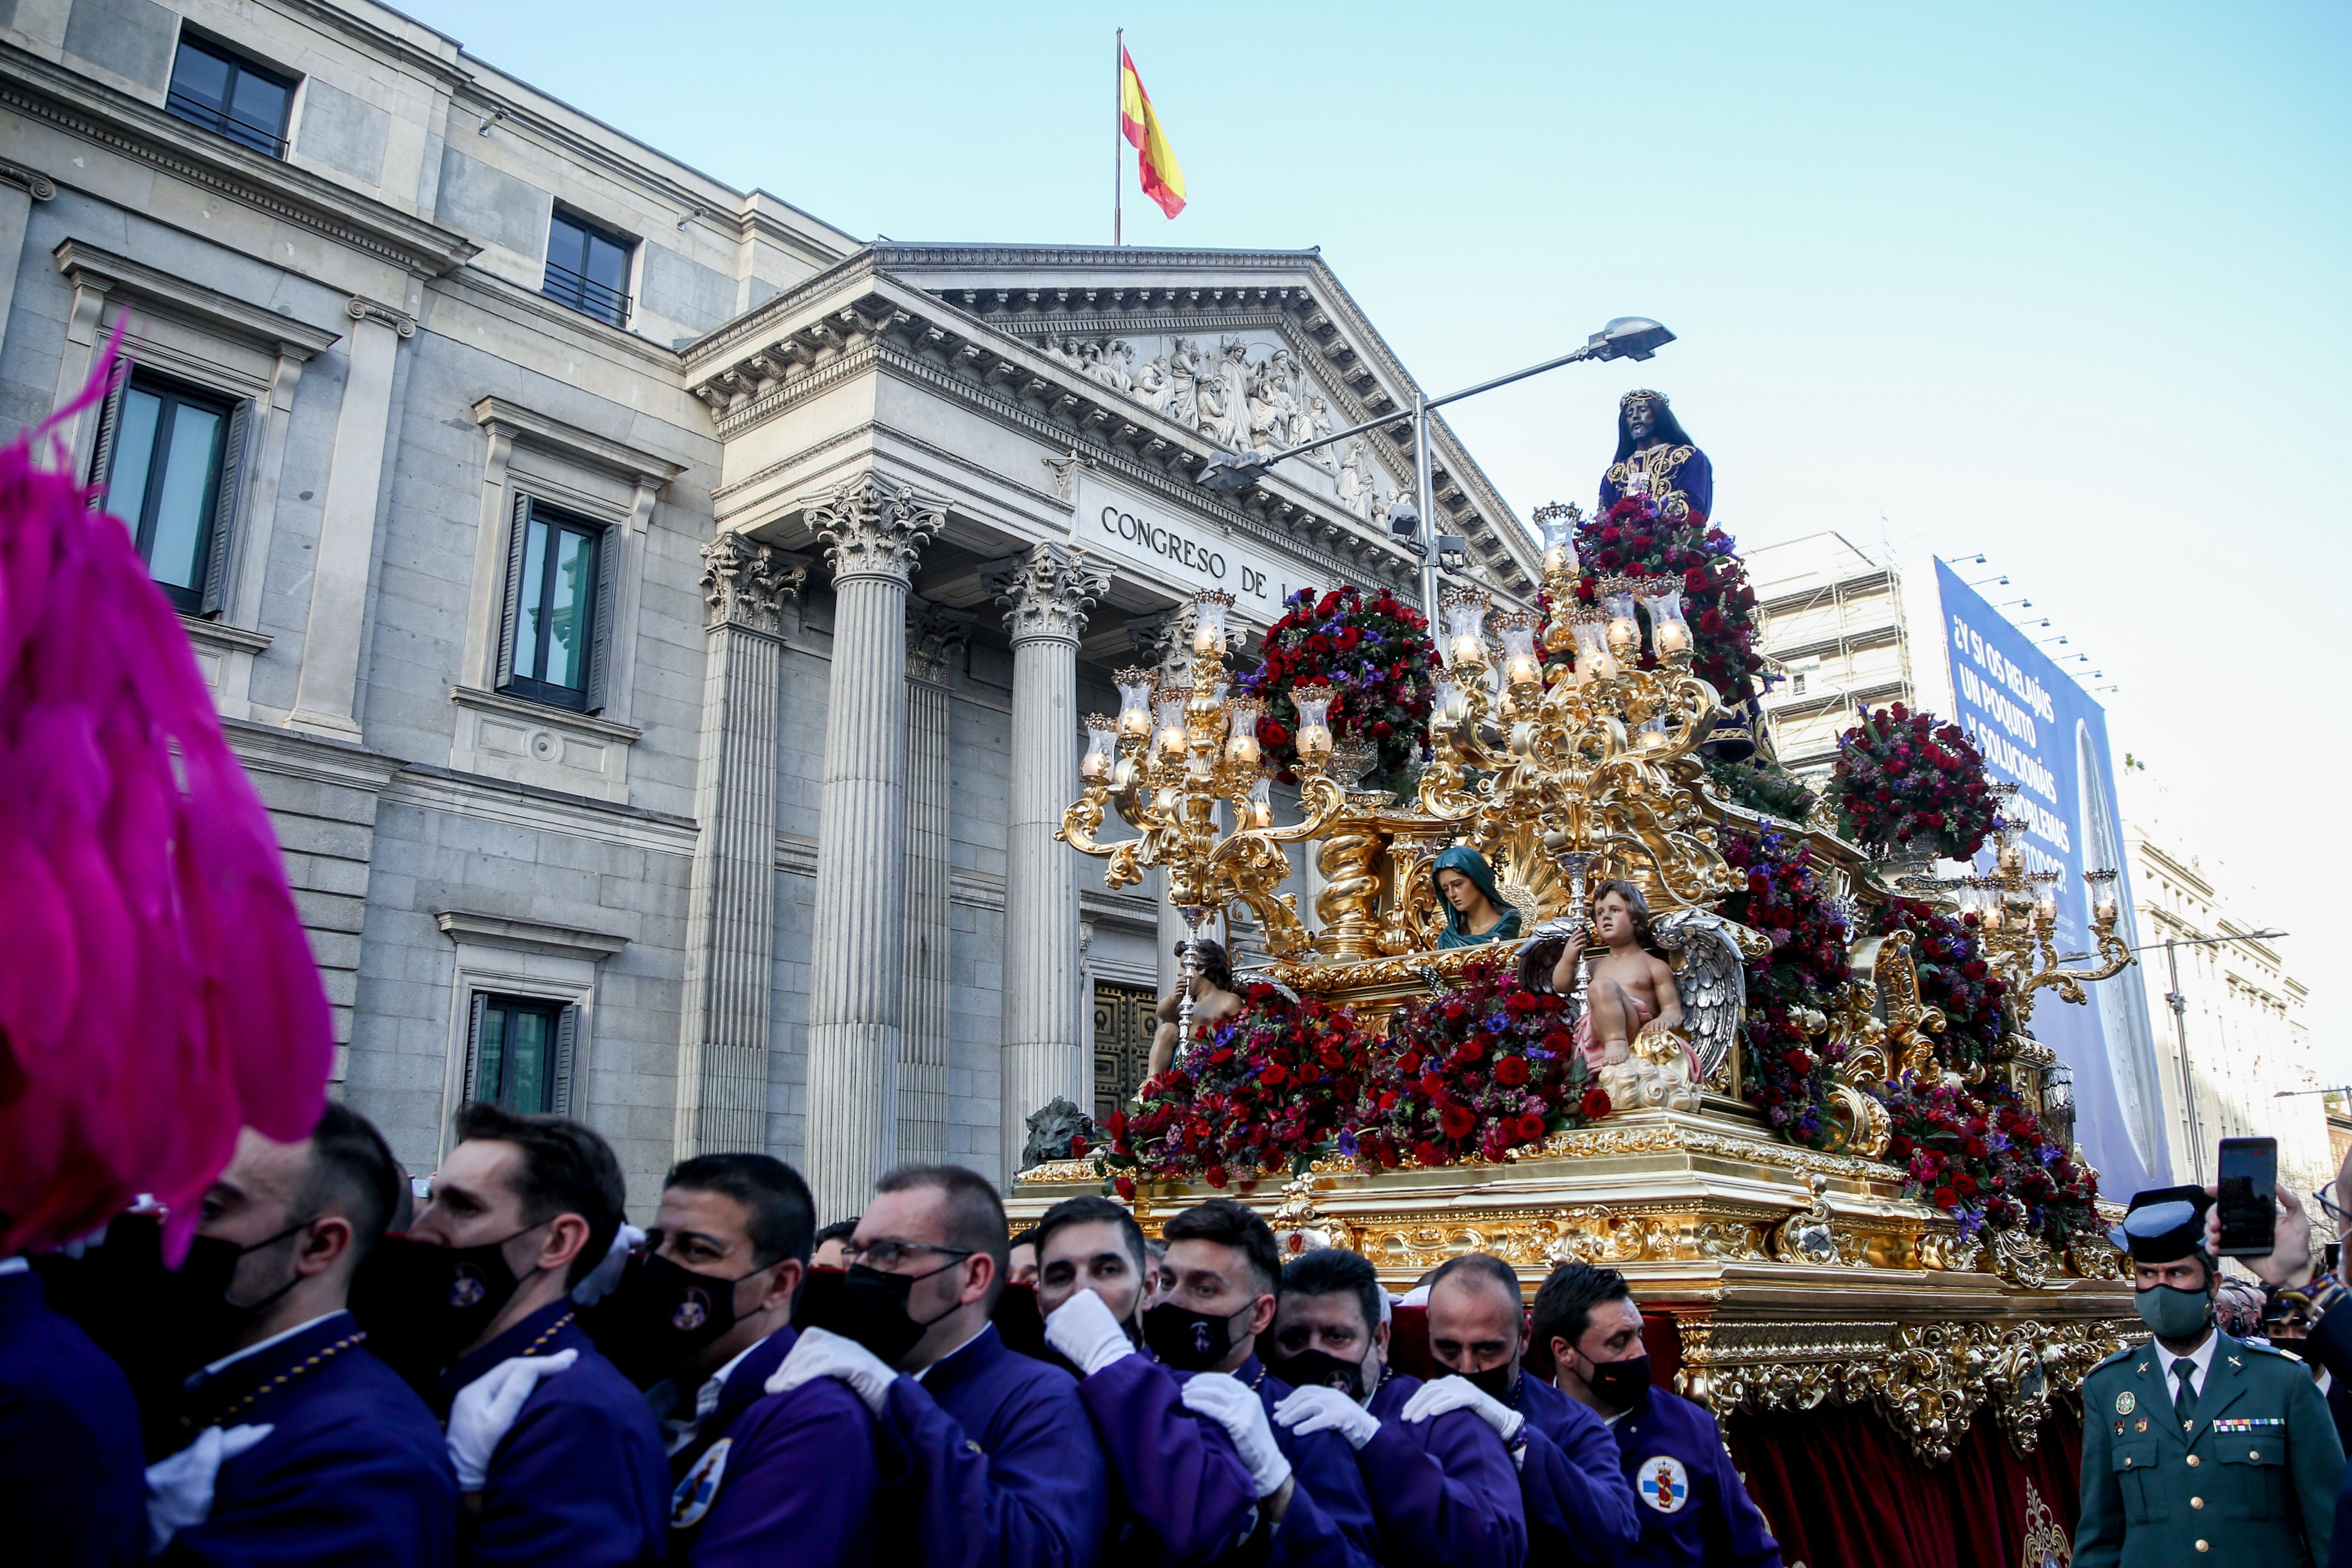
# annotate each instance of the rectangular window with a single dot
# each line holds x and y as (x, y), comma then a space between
(519, 1047)
(223, 91)
(556, 597)
(588, 269)
(167, 458)
(1797, 684)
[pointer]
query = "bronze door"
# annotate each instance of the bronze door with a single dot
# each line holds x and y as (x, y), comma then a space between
(1123, 1029)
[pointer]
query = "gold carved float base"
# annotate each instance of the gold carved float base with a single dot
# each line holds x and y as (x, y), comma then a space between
(1796, 1279)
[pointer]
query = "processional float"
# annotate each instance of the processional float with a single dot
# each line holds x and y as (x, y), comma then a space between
(1792, 1275)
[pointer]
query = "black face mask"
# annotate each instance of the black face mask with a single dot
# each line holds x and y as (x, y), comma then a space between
(1623, 1383)
(867, 1305)
(1498, 1382)
(1186, 1339)
(659, 1314)
(422, 1305)
(195, 1296)
(1319, 1369)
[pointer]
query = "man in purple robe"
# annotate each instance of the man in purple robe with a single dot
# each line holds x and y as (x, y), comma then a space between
(1580, 1508)
(559, 1465)
(301, 1446)
(73, 1490)
(1695, 1510)
(989, 1455)
(1444, 1491)
(1220, 1276)
(1186, 1491)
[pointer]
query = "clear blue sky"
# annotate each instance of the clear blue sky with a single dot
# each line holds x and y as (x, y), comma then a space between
(2063, 284)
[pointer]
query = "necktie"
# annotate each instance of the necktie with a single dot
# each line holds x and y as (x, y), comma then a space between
(2184, 1403)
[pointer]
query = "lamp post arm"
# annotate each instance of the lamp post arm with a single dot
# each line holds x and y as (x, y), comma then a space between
(1427, 404)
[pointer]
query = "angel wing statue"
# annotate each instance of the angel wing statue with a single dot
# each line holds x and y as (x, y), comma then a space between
(1710, 975)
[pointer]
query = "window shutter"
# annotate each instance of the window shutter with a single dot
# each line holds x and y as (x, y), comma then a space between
(474, 1046)
(110, 419)
(601, 634)
(231, 474)
(567, 1032)
(518, 532)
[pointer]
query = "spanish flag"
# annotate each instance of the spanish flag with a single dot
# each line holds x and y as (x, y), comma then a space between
(1163, 177)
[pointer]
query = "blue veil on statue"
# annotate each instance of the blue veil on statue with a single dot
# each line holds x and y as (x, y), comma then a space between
(1470, 863)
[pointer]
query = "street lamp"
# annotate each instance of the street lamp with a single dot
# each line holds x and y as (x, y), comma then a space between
(2179, 1006)
(1627, 337)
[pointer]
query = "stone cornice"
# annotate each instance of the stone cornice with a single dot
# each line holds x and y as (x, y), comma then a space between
(502, 418)
(85, 263)
(502, 296)
(543, 713)
(528, 936)
(50, 94)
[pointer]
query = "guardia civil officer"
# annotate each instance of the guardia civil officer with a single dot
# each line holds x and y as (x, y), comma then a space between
(2198, 1448)
(1694, 1509)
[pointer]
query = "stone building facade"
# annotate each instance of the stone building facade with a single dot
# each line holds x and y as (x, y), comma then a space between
(660, 623)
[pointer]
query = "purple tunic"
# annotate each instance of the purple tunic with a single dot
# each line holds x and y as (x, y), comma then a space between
(579, 1479)
(991, 1460)
(1695, 1508)
(795, 1480)
(1580, 1508)
(1444, 1491)
(353, 1472)
(1184, 1495)
(73, 1488)
(1328, 1524)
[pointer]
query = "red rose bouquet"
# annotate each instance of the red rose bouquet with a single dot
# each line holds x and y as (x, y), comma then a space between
(1906, 784)
(1377, 655)
(1265, 1090)
(1476, 1070)
(1953, 975)
(1632, 539)
(1788, 1071)
(1988, 1162)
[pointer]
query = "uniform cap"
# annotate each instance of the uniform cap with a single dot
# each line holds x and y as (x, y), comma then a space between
(2163, 1225)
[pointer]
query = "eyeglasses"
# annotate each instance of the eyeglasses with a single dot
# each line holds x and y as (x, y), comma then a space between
(2337, 1215)
(887, 1256)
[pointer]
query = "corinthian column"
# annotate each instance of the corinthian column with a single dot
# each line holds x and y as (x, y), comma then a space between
(1046, 601)
(723, 1074)
(935, 643)
(871, 533)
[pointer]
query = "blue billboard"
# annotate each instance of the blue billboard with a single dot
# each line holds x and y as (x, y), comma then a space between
(2041, 731)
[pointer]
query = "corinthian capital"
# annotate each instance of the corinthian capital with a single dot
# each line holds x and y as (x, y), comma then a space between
(746, 582)
(1048, 592)
(874, 530)
(935, 640)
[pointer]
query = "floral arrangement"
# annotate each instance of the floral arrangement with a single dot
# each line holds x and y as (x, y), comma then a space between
(1267, 1090)
(1954, 976)
(1632, 539)
(1474, 1071)
(1788, 1070)
(1987, 1162)
(1904, 782)
(1760, 785)
(1377, 655)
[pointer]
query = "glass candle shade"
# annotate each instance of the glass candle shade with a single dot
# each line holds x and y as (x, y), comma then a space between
(1652, 736)
(1559, 545)
(2103, 895)
(1261, 802)
(1992, 916)
(1670, 632)
(1241, 741)
(1522, 665)
(1593, 661)
(1464, 610)
(1625, 631)
(1135, 703)
(1174, 740)
(1209, 610)
(1313, 701)
(1445, 704)
(1102, 748)
(2011, 857)
(2045, 903)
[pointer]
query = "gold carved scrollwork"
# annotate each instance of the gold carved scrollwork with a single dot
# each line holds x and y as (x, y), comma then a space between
(1584, 1234)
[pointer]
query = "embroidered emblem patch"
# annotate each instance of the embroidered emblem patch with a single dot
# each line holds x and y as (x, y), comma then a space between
(467, 1288)
(693, 1310)
(1666, 1485)
(699, 1486)
(2125, 1402)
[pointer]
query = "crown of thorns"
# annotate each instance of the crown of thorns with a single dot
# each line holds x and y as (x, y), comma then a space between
(1643, 394)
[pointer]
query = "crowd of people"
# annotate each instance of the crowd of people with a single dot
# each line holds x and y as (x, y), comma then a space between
(496, 1369)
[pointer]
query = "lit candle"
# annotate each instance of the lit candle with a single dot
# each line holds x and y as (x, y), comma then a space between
(1468, 650)
(1524, 669)
(1314, 740)
(1671, 638)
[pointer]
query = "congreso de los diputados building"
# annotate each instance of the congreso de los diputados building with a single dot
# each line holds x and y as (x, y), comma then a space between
(662, 625)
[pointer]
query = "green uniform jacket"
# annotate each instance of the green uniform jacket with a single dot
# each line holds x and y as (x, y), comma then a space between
(2253, 1480)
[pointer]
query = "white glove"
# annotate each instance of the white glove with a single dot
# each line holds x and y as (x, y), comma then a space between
(1083, 1329)
(486, 1409)
(1434, 1399)
(1222, 1399)
(180, 1488)
(821, 1352)
(607, 1274)
(1306, 1410)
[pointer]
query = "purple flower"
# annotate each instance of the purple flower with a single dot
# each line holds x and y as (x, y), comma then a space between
(1346, 1144)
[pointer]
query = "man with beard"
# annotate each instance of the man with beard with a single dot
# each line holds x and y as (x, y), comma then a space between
(560, 1457)
(1695, 1511)
(1190, 1491)
(301, 1446)
(1222, 1271)
(992, 1450)
(1580, 1508)
(1443, 1488)
(759, 1477)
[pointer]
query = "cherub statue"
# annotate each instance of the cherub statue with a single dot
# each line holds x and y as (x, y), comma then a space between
(1632, 990)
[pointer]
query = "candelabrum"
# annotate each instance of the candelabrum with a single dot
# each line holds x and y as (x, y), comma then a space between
(1165, 763)
(2017, 919)
(1558, 743)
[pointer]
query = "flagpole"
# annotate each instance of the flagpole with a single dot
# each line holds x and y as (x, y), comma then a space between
(1118, 129)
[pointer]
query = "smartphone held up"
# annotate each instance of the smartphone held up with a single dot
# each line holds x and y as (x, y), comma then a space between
(2246, 1195)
